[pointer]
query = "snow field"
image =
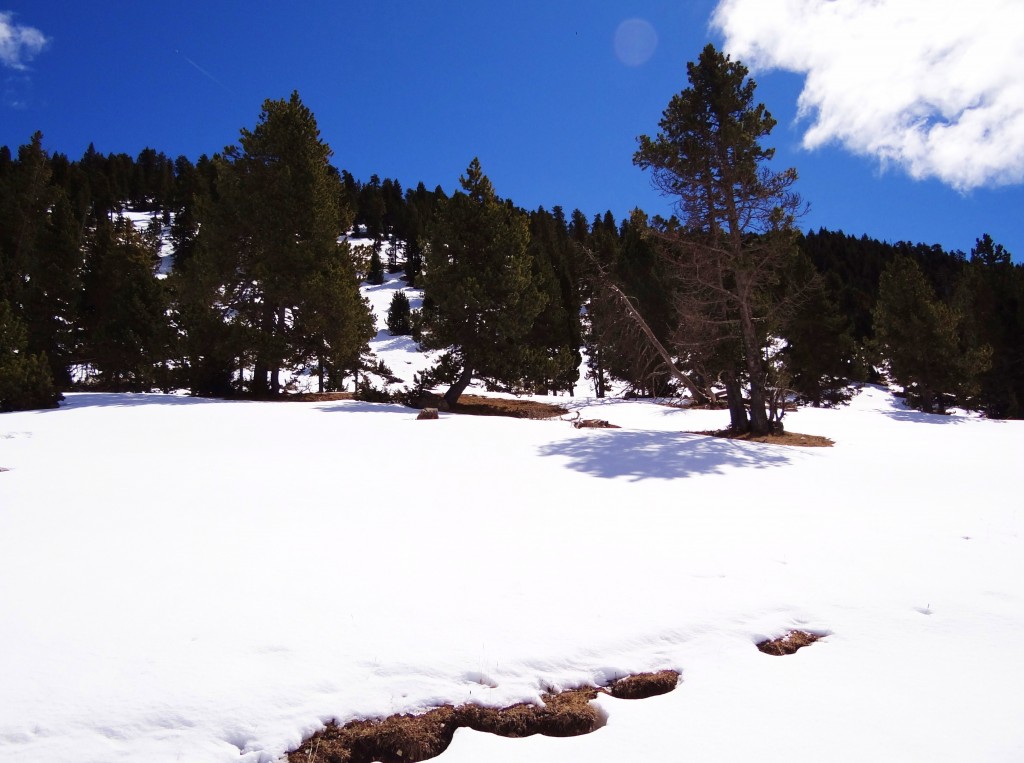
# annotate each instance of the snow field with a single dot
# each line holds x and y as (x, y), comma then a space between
(206, 581)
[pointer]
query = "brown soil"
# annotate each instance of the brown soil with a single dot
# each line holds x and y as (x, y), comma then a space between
(477, 405)
(644, 685)
(313, 397)
(410, 738)
(786, 438)
(789, 643)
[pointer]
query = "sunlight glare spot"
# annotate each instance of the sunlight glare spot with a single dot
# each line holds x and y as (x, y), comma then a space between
(635, 42)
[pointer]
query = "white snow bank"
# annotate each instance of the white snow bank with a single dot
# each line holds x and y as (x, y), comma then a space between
(211, 581)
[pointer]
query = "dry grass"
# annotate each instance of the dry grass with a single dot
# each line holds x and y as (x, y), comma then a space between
(644, 685)
(411, 738)
(788, 644)
(313, 397)
(477, 405)
(786, 438)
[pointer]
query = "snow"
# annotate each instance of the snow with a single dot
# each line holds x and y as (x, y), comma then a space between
(165, 249)
(211, 581)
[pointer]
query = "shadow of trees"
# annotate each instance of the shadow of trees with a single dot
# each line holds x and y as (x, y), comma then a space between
(660, 455)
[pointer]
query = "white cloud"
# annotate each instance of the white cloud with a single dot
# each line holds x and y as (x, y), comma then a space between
(19, 44)
(934, 86)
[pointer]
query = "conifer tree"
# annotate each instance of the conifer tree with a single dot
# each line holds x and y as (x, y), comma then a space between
(124, 308)
(920, 337)
(40, 256)
(399, 315)
(737, 229)
(25, 381)
(820, 351)
(375, 275)
(557, 327)
(992, 300)
(273, 237)
(333, 321)
(482, 298)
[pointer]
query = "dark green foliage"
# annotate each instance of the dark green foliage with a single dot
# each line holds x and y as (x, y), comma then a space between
(25, 381)
(737, 234)
(991, 298)
(557, 328)
(399, 315)
(615, 349)
(820, 352)
(40, 255)
(250, 296)
(282, 284)
(375, 276)
(333, 322)
(920, 336)
(123, 308)
(483, 296)
(368, 393)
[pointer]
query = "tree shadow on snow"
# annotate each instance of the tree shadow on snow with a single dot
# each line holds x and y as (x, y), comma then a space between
(660, 455)
(127, 400)
(917, 417)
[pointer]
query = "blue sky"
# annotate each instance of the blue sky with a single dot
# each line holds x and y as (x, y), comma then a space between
(893, 141)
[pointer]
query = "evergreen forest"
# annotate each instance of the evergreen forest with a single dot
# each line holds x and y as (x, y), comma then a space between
(245, 277)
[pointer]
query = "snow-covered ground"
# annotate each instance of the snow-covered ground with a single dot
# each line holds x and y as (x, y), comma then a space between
(204, 581)
(143, 221)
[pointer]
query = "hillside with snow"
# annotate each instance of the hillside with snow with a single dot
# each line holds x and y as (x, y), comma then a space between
(196, 580)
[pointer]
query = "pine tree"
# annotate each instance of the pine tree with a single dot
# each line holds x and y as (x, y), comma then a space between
(738, 222)
(992, 301)
(920, 337)
(333, 321)
(481, 290)
(273, 238)
(375, 275)
(820, 351)
(399, 315)
(40, 255)
(557, 327)
(25, 381)
(124, 308)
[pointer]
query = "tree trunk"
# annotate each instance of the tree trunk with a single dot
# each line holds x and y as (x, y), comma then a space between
(702, 396)
(455, 391)
(278, 324)
(759, 424)
(738, 421)
(259, 379)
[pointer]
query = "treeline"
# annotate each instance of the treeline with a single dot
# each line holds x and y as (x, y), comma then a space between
(261, 289)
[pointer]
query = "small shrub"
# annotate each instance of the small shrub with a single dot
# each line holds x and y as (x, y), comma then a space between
(368, 393)
(376, 274)
(400, 315)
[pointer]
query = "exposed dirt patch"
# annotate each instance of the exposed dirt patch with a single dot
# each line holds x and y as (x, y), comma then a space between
(313, 397)
(477, 405)
(411, 738)
(786, 438)
(565, 714)
(789, 643)
(644, 685)
(391, 740)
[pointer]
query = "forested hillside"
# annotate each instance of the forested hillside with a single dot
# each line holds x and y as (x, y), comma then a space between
(262, 287)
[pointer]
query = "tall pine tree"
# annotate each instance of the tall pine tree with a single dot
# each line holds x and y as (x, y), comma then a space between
(738, 229)
(481, 293)
(276, 227)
